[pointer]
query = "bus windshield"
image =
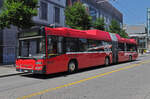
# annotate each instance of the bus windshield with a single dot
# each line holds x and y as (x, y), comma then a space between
(32, 48)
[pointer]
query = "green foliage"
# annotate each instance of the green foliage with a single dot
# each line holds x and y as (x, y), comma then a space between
(77, 17)
(114, 27)
(18, 13)
(123, 34)
(99, 24)
(107, 29)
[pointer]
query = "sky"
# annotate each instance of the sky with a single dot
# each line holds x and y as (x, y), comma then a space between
(134, 11)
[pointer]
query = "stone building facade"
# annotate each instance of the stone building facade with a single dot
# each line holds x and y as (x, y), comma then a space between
(51, 12)
(8, 38)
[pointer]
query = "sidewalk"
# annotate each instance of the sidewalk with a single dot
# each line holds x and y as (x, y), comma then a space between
(144, 54)
(8, 70)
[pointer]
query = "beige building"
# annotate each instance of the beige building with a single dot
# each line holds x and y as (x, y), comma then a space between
(138, 32)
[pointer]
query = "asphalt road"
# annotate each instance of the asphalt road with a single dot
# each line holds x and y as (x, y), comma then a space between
(128, 80)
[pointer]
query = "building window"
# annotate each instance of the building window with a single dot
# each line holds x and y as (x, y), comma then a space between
(93, 13)
(43, 11)
(57, 15)
(74, 1)
(1, 3)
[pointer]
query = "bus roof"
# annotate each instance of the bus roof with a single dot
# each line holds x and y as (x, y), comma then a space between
(66, 32)
(99, 35)
(133, 41)
(86, 34)
(125, 40)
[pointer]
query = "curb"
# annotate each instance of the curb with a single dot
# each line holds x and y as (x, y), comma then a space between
(143, 55)
(8, 75)
(7, 66)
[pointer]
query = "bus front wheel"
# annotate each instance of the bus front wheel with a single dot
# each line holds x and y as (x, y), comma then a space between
(71, 67)
(107, 62)
(130, 58)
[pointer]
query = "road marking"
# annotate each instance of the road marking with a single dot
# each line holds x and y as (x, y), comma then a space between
(83, 80)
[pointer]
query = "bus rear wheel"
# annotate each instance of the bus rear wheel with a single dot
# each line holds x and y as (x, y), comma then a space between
(72, 67)
(107, 62)
(130, 58)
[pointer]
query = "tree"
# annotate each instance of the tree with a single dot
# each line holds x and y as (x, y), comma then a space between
(114, 27)
(18, 13)
(99, 24)
(77, 17)
(123, 34)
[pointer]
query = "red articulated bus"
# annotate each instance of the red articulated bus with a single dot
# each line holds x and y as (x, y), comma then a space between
(45, 50)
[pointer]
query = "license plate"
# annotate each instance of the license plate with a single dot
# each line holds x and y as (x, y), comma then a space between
(25, 70)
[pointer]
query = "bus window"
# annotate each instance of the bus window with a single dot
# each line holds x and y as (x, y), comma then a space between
(24, 45)
(107, 45)
(83, 45)
(94, 45)
(121, 47)
(32, 48)
(71, 45)
(52, 45)
(41, 46)
(131, 48)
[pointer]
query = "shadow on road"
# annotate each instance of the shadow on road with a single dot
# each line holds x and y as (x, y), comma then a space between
(65, 74)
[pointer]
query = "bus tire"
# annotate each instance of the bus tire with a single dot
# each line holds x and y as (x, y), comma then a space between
(130, 58)
(72, 67)
(107, 61)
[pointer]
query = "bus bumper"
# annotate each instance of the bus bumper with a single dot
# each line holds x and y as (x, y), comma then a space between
(43, 71)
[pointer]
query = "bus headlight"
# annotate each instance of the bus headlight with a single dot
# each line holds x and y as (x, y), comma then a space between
(38, 67)
(17, 65)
